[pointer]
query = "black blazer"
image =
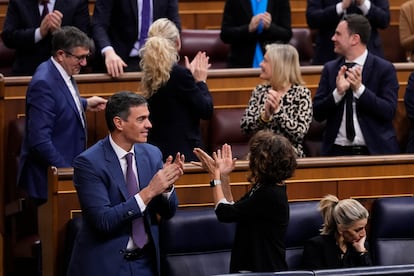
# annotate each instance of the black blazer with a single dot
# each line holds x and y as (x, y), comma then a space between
(321, 252)
(175, 113)
(23, 18)
(235, 29)
(375, 108)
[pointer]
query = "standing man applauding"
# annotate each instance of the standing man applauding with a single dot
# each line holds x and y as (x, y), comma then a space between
(357, 95)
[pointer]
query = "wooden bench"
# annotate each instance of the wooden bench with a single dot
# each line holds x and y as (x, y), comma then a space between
(364, 178)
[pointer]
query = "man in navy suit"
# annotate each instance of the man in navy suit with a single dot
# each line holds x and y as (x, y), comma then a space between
(106, 243)
(26, 31)
(325, 15)
(118, 30)
(371, 87)
(55, 122)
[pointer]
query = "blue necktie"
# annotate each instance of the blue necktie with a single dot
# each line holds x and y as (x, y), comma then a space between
(138, 228)
(145, 21)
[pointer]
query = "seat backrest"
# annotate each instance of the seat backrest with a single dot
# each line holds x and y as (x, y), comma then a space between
(391, 270)
(209, 41)
(6, 59)
(15, 138)
(225, 128)
(304, 223)
(280, 273)
(73, 227)
(194, 243)
(302, 41)
(312, 142)
(392, 231)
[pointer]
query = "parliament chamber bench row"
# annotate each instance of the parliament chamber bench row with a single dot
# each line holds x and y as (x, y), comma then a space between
(194, 40)
(231, 90)
(365, 178)
(194, 242)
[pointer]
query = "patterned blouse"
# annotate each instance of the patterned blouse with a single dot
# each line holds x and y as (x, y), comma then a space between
(292, 120)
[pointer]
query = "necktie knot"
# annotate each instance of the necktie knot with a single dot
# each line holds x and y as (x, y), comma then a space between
(350, 64)
(45, 8)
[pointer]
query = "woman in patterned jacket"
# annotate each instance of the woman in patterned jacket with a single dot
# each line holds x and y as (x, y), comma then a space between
(282, 104)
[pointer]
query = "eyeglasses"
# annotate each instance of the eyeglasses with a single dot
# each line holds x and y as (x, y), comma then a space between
(79, 58)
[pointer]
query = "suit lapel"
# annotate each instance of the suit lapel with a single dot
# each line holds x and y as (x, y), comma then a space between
(367, 69)
(247, 7)
(114, 167)
(64, 89)
(134, 9)
(143, 169)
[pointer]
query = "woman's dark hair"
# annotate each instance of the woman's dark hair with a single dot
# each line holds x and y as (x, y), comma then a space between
(272, 158)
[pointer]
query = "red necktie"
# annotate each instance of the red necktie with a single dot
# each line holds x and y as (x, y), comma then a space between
(138, 228)
(45, 8)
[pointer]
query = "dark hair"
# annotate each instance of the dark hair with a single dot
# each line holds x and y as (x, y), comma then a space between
(69, 37)
(272, 158)
(119, 104)
(359, 24)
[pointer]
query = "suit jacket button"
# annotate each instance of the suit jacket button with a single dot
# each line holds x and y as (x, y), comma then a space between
(130, 213)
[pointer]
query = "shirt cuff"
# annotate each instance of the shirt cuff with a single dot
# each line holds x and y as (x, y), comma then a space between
(337, 97)
(140, 203)
(365, 7)
(339, 9)
(224, 201)
(37, 35)
(167, 195)
(104, 49)
(359, 92)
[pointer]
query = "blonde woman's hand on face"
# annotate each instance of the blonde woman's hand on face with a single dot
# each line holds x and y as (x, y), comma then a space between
(360, 245)
(114, 64)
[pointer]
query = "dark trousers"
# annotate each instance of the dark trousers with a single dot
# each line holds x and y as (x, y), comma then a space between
(338, 150)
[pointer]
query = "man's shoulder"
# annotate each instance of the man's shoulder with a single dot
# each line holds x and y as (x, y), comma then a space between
(379, 63)
(146, 147)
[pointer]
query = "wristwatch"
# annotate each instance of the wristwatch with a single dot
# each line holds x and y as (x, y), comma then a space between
(215, 182)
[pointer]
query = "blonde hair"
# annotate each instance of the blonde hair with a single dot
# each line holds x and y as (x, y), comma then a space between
(284, 60)
(340, 212)
(158, 55)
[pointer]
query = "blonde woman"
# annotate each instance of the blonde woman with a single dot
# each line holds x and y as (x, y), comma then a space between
(282, 104)
(178, 96)
(342, 242)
